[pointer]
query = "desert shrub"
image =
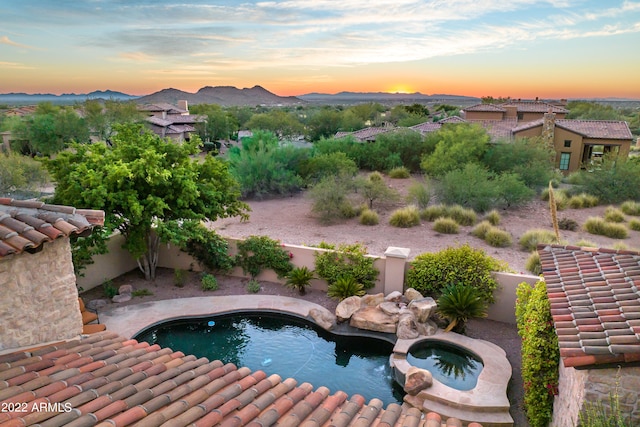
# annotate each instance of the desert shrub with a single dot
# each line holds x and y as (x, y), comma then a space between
(299, 279)
(498, 238)
(613, 214)
(620, 246)
(347, 210)
(253, 286)
(458, 303)
(605, 181)
(347, 261)
(109, 290)
(462, 216)
(329, 197)
(205, 245)
(493, 216)
(369, 217)
(399, 173)
(532, 238)
(405, 217)
(373, 188)
(598, 226)
(345, 287)
(20, 173)
(582, 200)
(568, 224)
(430, 272)
(586, 243)
(561, 197)
(209, 282)
(329, 164)
(257, 253)
(179, 276)
(433, 212)
(419, 195)
(540, 352)
(533, 263)
(480, 230)
(634, 224)
(604, 414)
(525, 157)
(446, 226)
(631, 208)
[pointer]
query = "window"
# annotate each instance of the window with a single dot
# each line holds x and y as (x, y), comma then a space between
(564, 161)
(567, 143)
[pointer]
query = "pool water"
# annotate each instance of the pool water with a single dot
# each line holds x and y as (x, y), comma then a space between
(287, 346)
(449, 364)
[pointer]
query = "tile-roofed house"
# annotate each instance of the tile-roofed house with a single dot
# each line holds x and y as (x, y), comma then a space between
(427, 127)
(167, 120)
(598, 129)
(522, 111)
(367, 134)
(37, 281)
(108, 381)
(594, 296)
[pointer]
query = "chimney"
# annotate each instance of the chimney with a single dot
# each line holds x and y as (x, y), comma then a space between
(549, 129)
(183, 105)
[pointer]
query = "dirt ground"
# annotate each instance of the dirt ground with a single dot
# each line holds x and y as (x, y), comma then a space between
(290, 220)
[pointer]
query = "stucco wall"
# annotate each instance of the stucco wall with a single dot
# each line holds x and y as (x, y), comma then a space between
(107, 266)
(39, 298)
(581, 389)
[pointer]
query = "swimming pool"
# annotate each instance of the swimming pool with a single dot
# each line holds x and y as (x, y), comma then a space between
(287, 346)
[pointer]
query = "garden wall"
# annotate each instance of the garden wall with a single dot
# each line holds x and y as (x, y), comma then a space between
(392, 267)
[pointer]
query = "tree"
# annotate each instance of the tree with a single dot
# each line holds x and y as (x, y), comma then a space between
(279, 122)
(20, 173)
(456, 146)
(374, 188)
(145, 184)
(326, 122)
(219, 125)
(102, 116)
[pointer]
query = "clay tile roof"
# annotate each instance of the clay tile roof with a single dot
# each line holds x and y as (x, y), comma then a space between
(497, 129)
(535, 107)
(492, 108)
(528, 125)
(25, 225)
(452, 119)
(598, 129)
(427, 127)
(595, 303)
(105, 380)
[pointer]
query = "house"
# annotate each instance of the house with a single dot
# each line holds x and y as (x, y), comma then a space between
(39, 297)
(595, 304)
(519, 111)
(170, 121)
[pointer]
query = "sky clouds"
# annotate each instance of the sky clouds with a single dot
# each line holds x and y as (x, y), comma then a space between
(272, 43)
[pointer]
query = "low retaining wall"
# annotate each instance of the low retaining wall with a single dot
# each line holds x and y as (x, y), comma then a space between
(391, 266)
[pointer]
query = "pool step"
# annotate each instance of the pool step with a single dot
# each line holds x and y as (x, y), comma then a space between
(497, 417)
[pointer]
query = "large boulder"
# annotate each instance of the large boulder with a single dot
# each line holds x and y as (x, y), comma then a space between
(390, 308)
(422, 308)
(374, 319)
(427, 328)
(323, 318)
(407, 327)
(347, 307)
(372, 299)
(395, 296)
(416, 380)
(411, 294)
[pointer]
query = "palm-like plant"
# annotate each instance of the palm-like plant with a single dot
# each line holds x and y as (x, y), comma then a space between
(458, 303)
(345, 287)
(300, 278)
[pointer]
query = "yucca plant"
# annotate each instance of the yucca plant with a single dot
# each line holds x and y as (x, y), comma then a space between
(459, 303)
(345, 287)
(299, 279)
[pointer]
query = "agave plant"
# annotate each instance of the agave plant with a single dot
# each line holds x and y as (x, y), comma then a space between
(300, 278)
(458, 303)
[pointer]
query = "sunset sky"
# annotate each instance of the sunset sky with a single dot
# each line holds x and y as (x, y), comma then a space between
(517, 48)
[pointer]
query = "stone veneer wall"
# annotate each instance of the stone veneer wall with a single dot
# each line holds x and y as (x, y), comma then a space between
(39, 298)
(595, 386)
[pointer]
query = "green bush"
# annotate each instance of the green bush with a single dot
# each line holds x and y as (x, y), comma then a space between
(463, 216)
(205, 245)
(257, 253)
(430, 272)
(613, 214)
(458, 303)
(347, 261)
(620, 246)
(525, 157)
(109, 290)
(480, 230)
(498, 238)
(399, 173)
(582, 200)
(369, 217)
(446, 226)
(419, 195)
(347, 210)
(253, 286)
(634, 224)
(144, 292)
(568, 224)
(329, 197)
(493, 216)
(405, 217)
(533, 263)
(179, 276)
(329, 164)
(434, 212)
(299, 279)
(609, 414)
(540, 352)
(532, 238)
(605, 181)
(586, 243)
(209, 282)
(561, 197)
(373, 188)
(598, 226)
(345, 287)
(631, 208)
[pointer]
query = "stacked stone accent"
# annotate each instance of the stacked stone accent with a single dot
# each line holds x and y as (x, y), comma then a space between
(39, 297)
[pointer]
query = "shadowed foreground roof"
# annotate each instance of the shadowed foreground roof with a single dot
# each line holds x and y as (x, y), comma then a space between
(25, 225)
(106, 380)
(595, 303)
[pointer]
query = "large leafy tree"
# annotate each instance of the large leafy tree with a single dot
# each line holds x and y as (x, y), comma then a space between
(219, 124)
(101, 116)
(145, 184)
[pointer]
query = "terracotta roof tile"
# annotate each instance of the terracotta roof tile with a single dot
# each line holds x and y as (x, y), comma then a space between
(594, 298)
(26, 225)
(597, 129)
(106, 380)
